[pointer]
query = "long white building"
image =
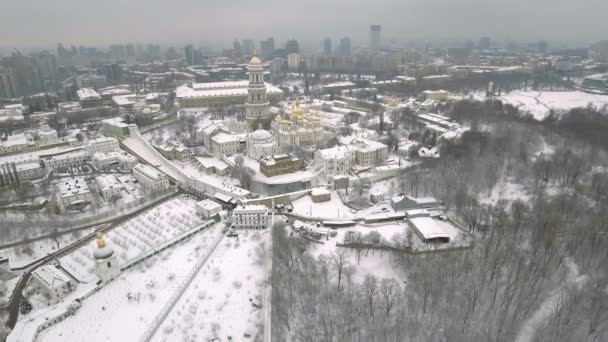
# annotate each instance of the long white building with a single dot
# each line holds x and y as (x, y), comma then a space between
(150, 178)
(251, 217)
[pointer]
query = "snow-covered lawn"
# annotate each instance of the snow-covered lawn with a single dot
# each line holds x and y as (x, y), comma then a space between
(505, 189)
(222, 299)
(137, 235)
(332, 209)
(25, 254)
(123, 309)
(366, 261)
(538, 103)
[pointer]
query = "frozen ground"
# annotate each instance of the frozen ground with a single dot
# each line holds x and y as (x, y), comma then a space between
(222, 299)
(122, 310)
(332, 209)
(505, 189)
(538, 103)
(376, 262)
(23, 255)
(137, 235)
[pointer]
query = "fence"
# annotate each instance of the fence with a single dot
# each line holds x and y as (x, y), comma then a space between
(10, 228)
(160, 318)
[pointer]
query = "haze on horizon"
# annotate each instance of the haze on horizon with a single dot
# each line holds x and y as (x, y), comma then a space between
(28, 23)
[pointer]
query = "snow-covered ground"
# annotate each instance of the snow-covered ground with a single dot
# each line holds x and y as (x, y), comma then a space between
(123, 309)
(22, 255)
(222, 299)
(538, 103)
(137, 235)
(505, 189)
(369, 261)
(332, 209)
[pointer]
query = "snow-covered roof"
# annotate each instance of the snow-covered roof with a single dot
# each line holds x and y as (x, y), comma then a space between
(429, 227)
(87, 94)
(51, 276)
(73, 187)
(250, 208)
(208, 204)
(107, 182)
(218, 89)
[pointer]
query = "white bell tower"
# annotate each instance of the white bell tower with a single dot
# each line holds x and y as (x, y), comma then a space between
(257, 105)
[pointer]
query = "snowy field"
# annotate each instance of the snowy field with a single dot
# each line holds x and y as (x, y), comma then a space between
(23, 255)
(332, 209)
(122, 310)
(137, 235)
(368, 261)
(221, 301)
(538, 103)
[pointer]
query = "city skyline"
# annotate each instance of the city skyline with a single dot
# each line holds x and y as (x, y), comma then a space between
(34, 24)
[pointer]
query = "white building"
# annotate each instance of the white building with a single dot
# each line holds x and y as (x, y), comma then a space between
(174, 150)
(251, 216)
(191, 95)
(47, 136)
(69, 159)
(336, 160)
(74, 191)
(150, 178)
(369, 152)
(124, 161)
(16, 142)
(29, 171)
(340, 160)
(108, 186)
(224, 144)
(257, 106)
(102, 145)
(260, 143)
(50, 282)
(207, 208)
(293, 61)
(107, 266)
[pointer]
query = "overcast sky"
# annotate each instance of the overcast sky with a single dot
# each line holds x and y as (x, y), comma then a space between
(47, 22)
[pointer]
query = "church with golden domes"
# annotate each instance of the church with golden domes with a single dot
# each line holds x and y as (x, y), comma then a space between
(301, 129)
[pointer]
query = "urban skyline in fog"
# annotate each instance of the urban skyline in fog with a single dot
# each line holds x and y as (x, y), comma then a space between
(34, 24)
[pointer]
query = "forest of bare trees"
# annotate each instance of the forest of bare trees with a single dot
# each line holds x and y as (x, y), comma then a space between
(537, 272)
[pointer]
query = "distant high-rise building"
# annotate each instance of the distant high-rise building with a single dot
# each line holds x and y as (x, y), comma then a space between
(198, 57)
(118, 51)
(113, 73)
(27, 77)
(236, 48)
(247, 46)
(374, 37)
(8, 87)
(327, 46)
(153, 51)
(344, 47)
(47, 64)
(130, 50)
(599, 51)
(267, 48)
(292, 46)
(74, 50)
(189, 52)
(484, 43)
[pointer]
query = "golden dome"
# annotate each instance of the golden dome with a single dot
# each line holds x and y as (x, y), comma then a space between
(101, 242)
(297, 112)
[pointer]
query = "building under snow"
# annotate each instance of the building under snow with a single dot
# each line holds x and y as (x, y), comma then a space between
(50, 282)
(250, 217)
